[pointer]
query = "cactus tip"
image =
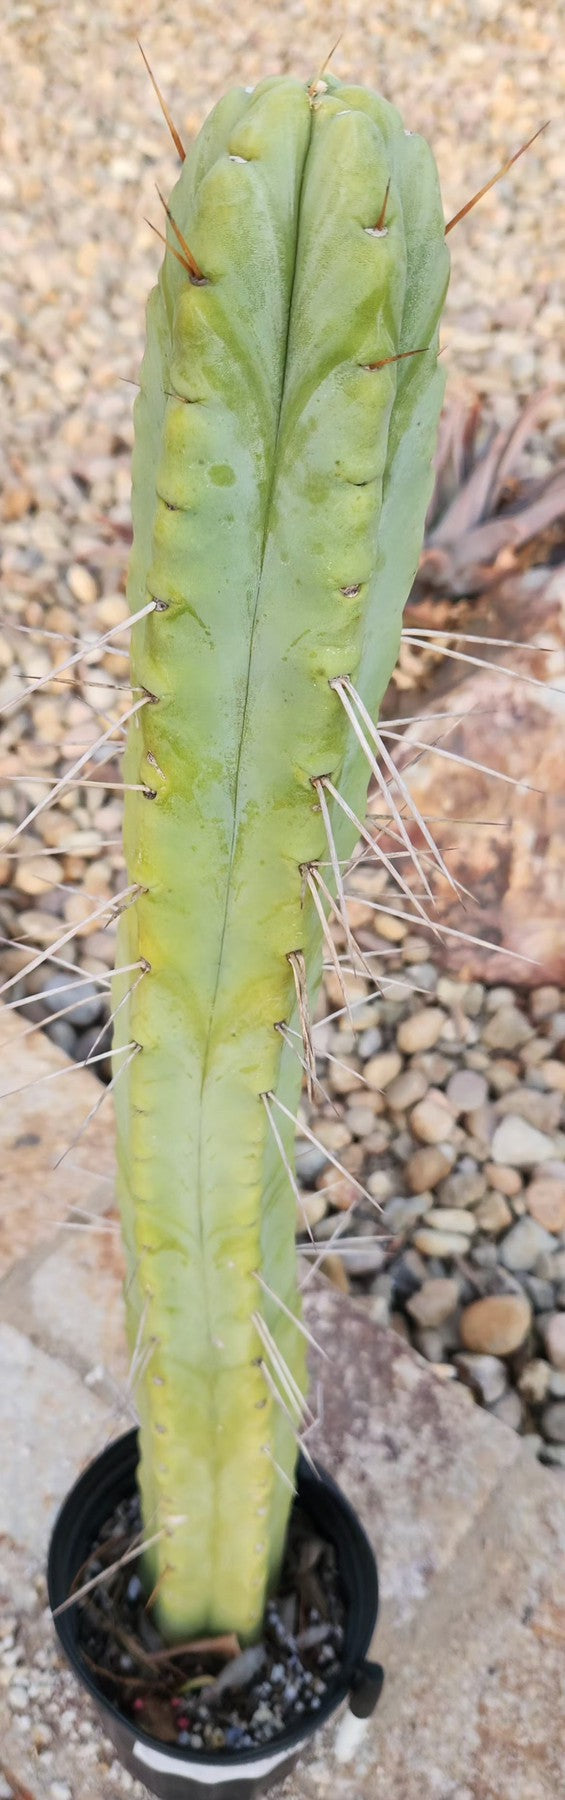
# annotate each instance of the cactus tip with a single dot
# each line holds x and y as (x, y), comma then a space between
(318, 86)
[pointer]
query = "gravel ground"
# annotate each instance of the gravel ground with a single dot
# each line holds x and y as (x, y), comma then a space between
(459, 1133)
(447, 1106)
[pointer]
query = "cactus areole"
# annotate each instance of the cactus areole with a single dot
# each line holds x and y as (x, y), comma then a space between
(284, 437)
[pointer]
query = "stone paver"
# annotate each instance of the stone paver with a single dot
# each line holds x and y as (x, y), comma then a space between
(36, 1125)
(52, 1423)
(86, 1266)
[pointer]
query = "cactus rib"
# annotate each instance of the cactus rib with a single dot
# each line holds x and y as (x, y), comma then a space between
(284, 434)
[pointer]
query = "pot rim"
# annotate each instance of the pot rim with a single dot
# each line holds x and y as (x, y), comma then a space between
(344, 1529)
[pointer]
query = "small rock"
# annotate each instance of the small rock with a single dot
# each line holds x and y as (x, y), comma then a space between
(545, 1200)
(333, 1134)
(524, 1243)
(533, 1054)
(553, 1073)
(493, 1214)
(543, 1111)
(434, 1302)
(426, 1167)
(431, 1120)
(309, 1162)
(379, 1184)
(503, 1074)
(543, 1002)
(340, 1191)
(423, 975)
(463, 1188)
(507, 1181)
(37, 874)
(431, 1344)
(509, 1409)
(550, 1265)
(466, 1091)
(542, 1294)
(365, 1261)
(452, 1218)
(377, 1143)
(62, 1034)
(82, 584)
(496, 1325)
(402, 1145)
(407, 1089)
(383, 1069)
(555, 1339)
(434, 1066)
(86, 1000)
(344, 1077)
(533, 1383)
(450, 992)
(18, 1698)
(472, 999)
(520, 1144)
(399, 1214)
(360, 1119)
(484, 1256)
(369, 1042)
(421, 1030)
(407, 1275)
(553, 1454)
(507, 1029)
(312, 1209)
(440, 1243)
(498, 996)
(553, 1422)
(486, 1375)
(335, 1271)
(394, 930)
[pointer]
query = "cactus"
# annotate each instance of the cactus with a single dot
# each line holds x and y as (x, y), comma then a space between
(284, 436)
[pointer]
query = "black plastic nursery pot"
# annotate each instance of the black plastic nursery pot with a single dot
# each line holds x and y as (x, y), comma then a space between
(169, 1771)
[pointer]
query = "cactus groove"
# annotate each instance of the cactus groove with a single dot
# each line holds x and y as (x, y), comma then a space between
(282, 469)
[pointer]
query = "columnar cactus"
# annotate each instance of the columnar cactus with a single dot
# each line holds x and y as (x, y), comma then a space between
(284, 436)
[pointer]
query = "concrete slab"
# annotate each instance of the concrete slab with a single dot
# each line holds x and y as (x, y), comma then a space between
(419, 1458)
(39, 1118)
(71, 1298)
(50, 1424)
(472, 1707)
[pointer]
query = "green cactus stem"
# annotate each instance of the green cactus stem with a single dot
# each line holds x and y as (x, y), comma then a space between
(284, 436)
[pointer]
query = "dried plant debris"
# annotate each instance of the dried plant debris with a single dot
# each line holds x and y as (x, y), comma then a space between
(497, 507)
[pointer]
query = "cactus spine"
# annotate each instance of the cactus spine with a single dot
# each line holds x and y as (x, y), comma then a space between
(282, 468)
